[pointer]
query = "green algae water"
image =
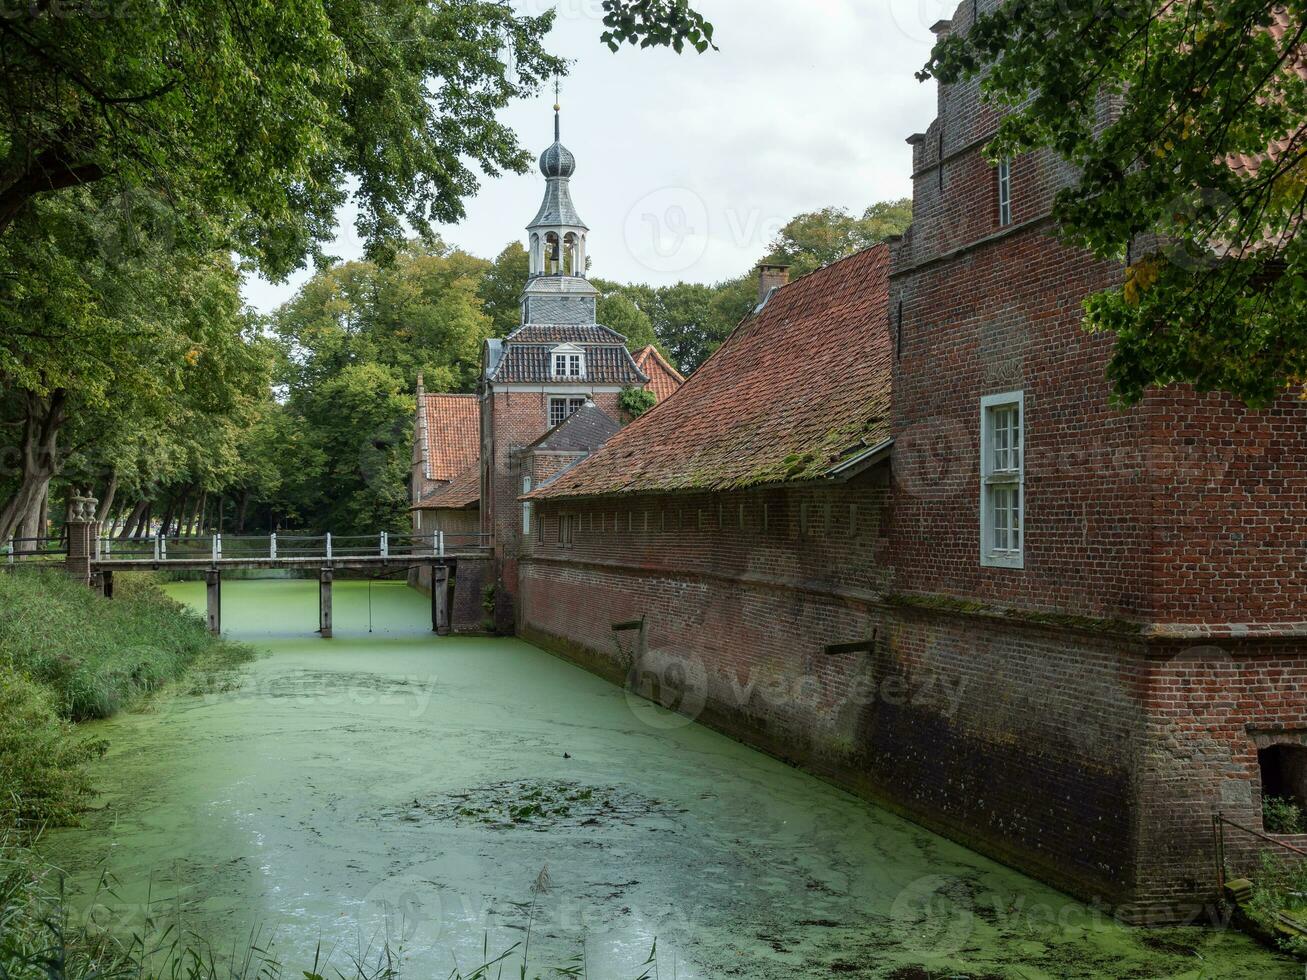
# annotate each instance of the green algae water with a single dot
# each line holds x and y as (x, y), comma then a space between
(451, 798)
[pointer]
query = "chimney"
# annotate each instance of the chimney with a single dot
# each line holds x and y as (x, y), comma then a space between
(771, 275)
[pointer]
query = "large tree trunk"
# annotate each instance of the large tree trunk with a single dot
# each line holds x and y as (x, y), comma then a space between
(240, 512)
(39, 453)
(134, 520)
(106, 502)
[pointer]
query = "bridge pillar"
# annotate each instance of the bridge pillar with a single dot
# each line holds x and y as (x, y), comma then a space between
(440, 599)
(324, 603)
(213, 593)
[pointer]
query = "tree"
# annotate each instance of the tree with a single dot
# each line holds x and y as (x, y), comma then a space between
(423, 313)
(501, 288)
(102, 333)
(254, 118)
(619, 312)
(1186, 123)
(818, 238)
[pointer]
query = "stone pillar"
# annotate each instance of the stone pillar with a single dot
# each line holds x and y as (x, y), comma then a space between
(213, 590)
(82, 533)
(324, 603)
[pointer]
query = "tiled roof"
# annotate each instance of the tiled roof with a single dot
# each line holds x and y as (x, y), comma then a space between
(663, 378)
(451, 426)
(564, 333)
(530, 364)
(463, 491)
(584, 431)
(1280, 29)
(799, 387)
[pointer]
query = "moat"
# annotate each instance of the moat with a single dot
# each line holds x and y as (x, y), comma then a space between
(446, 795)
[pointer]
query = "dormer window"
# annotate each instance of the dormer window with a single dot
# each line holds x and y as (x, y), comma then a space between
(568, 363)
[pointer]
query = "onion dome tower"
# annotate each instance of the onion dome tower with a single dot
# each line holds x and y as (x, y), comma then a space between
(557, 291)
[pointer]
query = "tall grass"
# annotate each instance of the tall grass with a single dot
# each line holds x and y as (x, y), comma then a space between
(97, 656)
(68, 655)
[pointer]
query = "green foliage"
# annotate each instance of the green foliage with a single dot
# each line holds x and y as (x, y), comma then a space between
(619, 312)
(654, 22)
(260, 116)
(356, 337)
(1279, 887)
(66, 654)
(1153, 104)
(636, 401)
(501, 289)
(818, 238)
(1283, 816)
(96, 657)
(43, 760)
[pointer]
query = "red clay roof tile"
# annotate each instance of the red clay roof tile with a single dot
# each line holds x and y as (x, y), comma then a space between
(452, 429)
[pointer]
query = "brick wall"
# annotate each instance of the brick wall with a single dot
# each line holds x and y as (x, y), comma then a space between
(512, 420)
(1019, 739)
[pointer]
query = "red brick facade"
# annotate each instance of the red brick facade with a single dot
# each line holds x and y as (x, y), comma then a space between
(1081, 716)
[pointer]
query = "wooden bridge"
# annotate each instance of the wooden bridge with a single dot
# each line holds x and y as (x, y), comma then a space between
(95, 558)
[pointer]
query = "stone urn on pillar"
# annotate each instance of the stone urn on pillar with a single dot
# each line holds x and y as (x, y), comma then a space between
(83, 530)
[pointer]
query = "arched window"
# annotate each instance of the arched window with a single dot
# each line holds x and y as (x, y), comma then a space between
(553, 254)
(1284, 781)
(570, 254)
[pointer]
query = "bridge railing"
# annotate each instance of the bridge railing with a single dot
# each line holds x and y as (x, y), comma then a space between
(162, 548)
(45, 549)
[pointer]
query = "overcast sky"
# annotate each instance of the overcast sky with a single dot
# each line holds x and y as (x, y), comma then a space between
(687, 165)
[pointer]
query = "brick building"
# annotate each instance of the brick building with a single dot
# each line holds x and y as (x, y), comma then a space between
(548, 394)
(444, 485)
(924, 556)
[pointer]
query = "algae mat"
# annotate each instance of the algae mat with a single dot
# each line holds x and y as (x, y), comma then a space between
(445, 797)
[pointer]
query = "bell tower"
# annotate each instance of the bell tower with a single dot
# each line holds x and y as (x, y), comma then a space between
(557, 290)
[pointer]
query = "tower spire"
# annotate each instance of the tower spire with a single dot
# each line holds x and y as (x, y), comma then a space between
(557, 109)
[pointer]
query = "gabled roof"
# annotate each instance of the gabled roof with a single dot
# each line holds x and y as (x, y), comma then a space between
(463, 491)
(800, 388)
(451, 432)
(584, 431)
(663, 378)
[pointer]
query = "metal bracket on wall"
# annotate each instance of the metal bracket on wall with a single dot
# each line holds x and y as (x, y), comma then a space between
(860, 646)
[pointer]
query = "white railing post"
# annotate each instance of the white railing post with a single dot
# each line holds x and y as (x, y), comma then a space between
(441, 538)
(9, 548)
(272, 545)
(385, 545)
(163, 548)
(218, 539)
(328, 546)
(156, 547)
(213, 547)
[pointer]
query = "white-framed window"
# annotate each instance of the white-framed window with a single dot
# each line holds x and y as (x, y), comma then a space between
(526, 506)
(568, 363)
(561, 407)
(1002, 480)
(1005, 191)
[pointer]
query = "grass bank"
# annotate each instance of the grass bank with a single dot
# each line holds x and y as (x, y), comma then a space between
(67, 655)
